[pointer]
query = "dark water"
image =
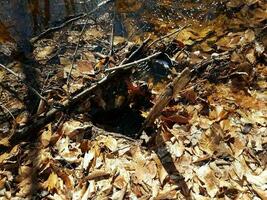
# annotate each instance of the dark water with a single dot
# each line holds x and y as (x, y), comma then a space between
(22, 19)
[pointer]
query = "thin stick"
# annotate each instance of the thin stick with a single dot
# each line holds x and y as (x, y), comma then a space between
(56, 28)
(134, 62)
(135, 52)
(5, 108)
(97, 132)
(168, 35)
(112, 34)
(20, 79)
(41, 121)
(75, 52)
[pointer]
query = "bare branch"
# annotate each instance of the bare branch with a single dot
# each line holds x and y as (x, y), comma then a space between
(21, 79)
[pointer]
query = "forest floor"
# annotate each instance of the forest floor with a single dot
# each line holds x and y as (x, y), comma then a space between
(181, 116)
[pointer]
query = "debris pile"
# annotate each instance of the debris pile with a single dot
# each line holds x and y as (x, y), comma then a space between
(177, 116)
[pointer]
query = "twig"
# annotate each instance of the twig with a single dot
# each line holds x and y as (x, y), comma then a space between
(134, 62)
(79, 40)
(20, 79)
(171, 90)
(75, 53)
(56, 28)
(5, 108)
(97, 132)
(168, 35)
(112, 34)
(41, 121)
(126, 60)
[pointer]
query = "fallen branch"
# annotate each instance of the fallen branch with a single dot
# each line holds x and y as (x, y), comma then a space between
(56, 28)
(168, 35)
(171, 90)
(133, 54)
(75, 53)
(20, 79)
(134, 62)
(38, 123)
(98, 132)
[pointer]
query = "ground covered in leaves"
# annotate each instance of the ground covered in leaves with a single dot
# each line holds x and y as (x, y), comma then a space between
(210, 142)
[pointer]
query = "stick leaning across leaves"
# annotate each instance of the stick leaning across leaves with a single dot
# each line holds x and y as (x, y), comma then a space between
(171, 90)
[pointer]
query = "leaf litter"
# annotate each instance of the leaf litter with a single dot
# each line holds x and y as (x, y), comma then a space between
(209, 142)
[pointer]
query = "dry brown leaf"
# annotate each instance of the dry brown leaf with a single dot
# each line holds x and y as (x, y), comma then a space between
(2, 182)
(85, 67)
(110, 142)
(119, 182)
(258, 180)
(261, 193)
(176, 149)
(46, 136)
(5, 142)
(22, 118)
(96, 174)
(69, 151)
(240, 167)
(161, 170)
(207, 176)
(167, 195)
(52, 182)
(44, 53)
(67, 179)
(91, 189)
(118, 40)
(92, 33)
(5, 156)
(209, 142)
(119, 195)
(25, 187)
(238, 146)
(250, 55)
(24, 172)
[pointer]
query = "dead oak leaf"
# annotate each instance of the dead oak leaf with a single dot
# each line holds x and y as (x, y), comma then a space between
(209, 142)
(52, 182)
(5, 142)
(207, 176)
(6, 156)
(46, 136)
(25, 187)
(110, 142)
(119, 182)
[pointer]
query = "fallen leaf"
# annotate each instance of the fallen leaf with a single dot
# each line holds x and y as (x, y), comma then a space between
(44, 52)
(207, 176)
(5, 142)
(46, 136)
(85, 67)
(261, 193)
(52, 182)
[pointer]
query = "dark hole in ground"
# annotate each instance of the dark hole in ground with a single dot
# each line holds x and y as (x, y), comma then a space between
(126, 121)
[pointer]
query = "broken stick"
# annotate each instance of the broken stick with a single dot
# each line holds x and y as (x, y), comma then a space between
(171, 90)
